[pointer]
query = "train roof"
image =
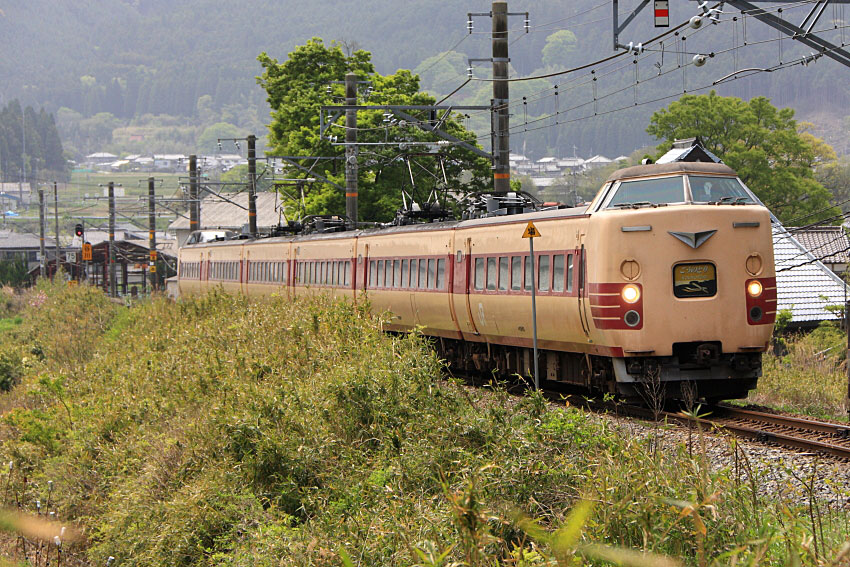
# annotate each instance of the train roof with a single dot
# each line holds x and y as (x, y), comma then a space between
(675, 167)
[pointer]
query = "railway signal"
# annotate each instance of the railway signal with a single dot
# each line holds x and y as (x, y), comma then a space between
(531, 233)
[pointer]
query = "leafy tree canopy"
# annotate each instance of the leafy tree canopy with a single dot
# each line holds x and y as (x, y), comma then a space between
(558, 48)
(761, 143)
(310, 78)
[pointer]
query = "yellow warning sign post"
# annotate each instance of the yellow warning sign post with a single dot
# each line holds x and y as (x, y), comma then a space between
(531, 233)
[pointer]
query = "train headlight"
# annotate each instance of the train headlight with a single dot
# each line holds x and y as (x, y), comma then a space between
(754, 288)
(630, 293)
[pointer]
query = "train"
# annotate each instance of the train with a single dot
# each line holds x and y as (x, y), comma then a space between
(664, 282)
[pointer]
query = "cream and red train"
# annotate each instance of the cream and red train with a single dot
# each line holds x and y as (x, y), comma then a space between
(666, 276)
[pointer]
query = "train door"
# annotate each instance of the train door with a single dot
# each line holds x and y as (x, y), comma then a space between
(467, 268)
(582, 288)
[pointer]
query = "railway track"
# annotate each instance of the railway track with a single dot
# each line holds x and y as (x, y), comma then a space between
(794, 432)
(805, 434)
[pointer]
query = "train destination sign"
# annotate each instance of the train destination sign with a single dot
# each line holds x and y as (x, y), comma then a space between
(694, 280)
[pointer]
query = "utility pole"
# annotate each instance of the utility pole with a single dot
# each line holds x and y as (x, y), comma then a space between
(502, 149)
(252, 185)
(152, 231)
(56, 221)
(194, 204)
(351, 170)
(113, 288)
(41, 250)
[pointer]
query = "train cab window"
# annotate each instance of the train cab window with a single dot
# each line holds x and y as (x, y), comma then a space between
(543, 273)
(373, 273)
(569, 272)
(380, 280)
(479, 274)
(414, 274)
(423, 274)
(528, 273)
(441, 273)
(405, 273)
(492, 275)
(558, 272)
(659, 191)
(504, 273)
(707, 189)
(516, 273)
(432, 273)
(396, 274)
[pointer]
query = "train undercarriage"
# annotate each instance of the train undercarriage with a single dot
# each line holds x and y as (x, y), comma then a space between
(695, 372)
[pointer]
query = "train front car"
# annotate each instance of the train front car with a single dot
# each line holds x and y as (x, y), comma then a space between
(680, 275)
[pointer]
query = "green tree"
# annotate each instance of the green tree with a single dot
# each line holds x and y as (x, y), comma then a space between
(559, 46)
(208, 140)
(760, 142)
(297, 89)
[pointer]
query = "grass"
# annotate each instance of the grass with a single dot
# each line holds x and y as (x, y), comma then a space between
(229, 431)
(808, 375)
(10, 323)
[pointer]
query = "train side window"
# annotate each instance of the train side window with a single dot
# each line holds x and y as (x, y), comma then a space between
(479, 274)
(340, 273)
(423, 273)
(405, 273)
(396, 274)
(558, 272)
(348, 272)
(504, 273)
(414, 273)
(516, 273)
(380, 281)
(441, 273)
(492, 275)
(527, 273)
(373, 273)
(432, 273)
(543, 273)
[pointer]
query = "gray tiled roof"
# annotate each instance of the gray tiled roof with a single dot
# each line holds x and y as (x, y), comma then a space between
(829, 243)
(218, 213)
(804, 284)
(19, 240)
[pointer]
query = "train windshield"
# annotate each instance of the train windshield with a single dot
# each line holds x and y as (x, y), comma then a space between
(724, 190)
(648, 192)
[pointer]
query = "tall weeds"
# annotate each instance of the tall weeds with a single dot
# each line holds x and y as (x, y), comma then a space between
(229, 431)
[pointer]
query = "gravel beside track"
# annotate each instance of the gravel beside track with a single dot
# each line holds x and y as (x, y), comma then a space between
(788, 473)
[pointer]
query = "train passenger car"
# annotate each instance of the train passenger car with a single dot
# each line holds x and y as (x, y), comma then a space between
(665, 279)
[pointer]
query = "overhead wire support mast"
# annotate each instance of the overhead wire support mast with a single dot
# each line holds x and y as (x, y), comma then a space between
(501, 128)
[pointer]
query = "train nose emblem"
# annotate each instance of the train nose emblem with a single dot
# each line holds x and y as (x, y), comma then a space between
(693, 239)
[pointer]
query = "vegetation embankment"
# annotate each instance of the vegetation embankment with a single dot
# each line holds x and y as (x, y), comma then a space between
(806, 373)
(228, 431)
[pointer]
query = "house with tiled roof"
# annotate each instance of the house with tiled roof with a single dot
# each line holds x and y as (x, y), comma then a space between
(828, 243)
(804, 285)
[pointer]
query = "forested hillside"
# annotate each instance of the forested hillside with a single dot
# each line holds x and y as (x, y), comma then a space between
(123, 60)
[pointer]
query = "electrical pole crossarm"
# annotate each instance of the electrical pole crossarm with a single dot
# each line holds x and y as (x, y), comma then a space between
(457, 141)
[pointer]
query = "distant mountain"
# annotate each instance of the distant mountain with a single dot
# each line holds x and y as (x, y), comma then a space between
(136, 57)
